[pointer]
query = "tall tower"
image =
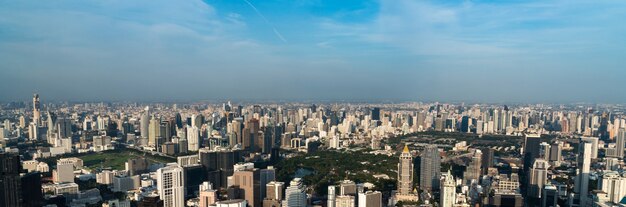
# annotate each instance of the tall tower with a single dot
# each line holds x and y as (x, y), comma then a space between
(430, 168)
(36, 110)
(405, 177)
(619, 143)
(144, 123)
(448, 190)
(581, 184)
(154, 131)
(171, 185)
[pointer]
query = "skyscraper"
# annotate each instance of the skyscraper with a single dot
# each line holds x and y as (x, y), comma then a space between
(430, 168)
(154, 129)
(64, 172)
(267, 175)
(531, 150)
(619, 143)
(144, 123)
(193, 138)
(614, 185)
(538, 178)
(487, 159)
(171, 185)
(448, 190)
(405, 177)
(274, 194)
(295, 195)
(375, 114)
(218, 163)
(370, 199)
(10, 182)
(550, 196)
(250, 184)
(31, 191)
(594, 145)
(473, 172)
(36, 110)
(581, 184)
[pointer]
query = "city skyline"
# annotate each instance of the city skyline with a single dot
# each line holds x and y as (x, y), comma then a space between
(475, 51)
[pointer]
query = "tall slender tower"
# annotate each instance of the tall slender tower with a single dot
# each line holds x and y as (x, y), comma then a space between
(36, 110)
(430, 168)
(405, 177)
(448, 190)
(619, 143)
(581, 184)
(144, 123)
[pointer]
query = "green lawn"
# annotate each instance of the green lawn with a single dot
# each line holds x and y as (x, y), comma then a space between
(116, 159)
(113, 159)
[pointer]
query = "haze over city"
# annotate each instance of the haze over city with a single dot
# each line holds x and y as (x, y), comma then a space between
(312, 103)
(481, 51)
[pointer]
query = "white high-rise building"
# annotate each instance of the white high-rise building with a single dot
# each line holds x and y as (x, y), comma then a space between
(331, 196)
(193, 138)
(448, 190)
(538, 178)
(144, 123)
(295, 195)
(64, 172)
(614, 186)
(594, 145)
(405, 177)
(370, 199)
(171, 185)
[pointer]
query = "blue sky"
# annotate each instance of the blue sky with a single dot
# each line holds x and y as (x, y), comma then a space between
(165, 50)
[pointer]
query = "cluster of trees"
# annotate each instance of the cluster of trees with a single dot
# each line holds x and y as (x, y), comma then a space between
(328, 167)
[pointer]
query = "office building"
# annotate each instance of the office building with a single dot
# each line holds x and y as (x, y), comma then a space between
(550, 196)
(448, 190)
(171, 185)
(405, 177)
(581, 182)
(430, 168)
(370, 199)
(249, 183)
(10, 181)
(473, 171)
(538, 178)
(295, 195)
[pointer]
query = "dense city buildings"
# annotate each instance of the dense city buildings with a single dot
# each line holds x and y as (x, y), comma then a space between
(304, 154)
